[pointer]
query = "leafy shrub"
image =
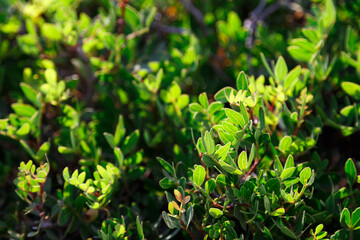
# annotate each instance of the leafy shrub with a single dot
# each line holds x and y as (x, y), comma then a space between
(106, 131)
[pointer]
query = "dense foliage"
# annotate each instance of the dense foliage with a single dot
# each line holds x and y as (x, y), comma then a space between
(179, 119)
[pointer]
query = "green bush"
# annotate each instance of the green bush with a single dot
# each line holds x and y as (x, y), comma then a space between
(179, 119)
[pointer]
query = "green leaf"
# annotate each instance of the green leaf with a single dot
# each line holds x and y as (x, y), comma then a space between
(345, 218)
(103, 173)
(189, 215)
(215, 107)
(66, 174)
(355, 219)
(203, 100)
(235, 117)
(225, 137)
(222, 93)
(209, 143)
(273, 185)
(170, 221)
(43, 149)
(312, 34)
(278, 212)
(299, 54)
(27, 149)
(166, 183)
(49, 31)
(281, 69)
(305, 175)
(23, 130)
(305, 44)
(119, 131)
(150, 17)
(242, 161)
(267, 204)
(195, 107)
(130, 142)
(29, 92)
(350, 171)
(221, 180)
(285, 143)
(340, 235)
(119, 156)
(285, 230)
(81, 177)
(230, 169)
(291, 78)
(352, 89)
(252, 155)
(23, 110)
(243, 112)
(64, 150)
(51, 77)
(209, 162)
(183, 101)
(289, 162)
(215, 213)
(139, 227)
(33, 234)
(266, 65)
(241, 81)
(199, 175)
(262, 117)
(222, 152)
(288, 172)
(312, 178)
(210, 185)
(318, 229)
(329, 16)
(166, 165)
(110, 139)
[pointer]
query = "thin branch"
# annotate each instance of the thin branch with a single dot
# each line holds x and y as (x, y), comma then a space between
(256, 163)
(168, 29)
(259, 14)
(197, 14)
(183, 226)
(121, 20)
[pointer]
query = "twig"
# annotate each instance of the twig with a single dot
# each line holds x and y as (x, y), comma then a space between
(183, 226)
(199, 17)
(136, 34)
(259, 14)
(256, 163)
(168, 29)
(121, 20)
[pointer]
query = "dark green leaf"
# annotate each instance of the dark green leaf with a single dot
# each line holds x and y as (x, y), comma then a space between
(189, 215)
(350, 171)
(166, 165)
(345, 218)
(166, 183)
(285, 230)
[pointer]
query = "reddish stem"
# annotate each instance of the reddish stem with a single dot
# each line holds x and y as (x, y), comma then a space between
(121, 21)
